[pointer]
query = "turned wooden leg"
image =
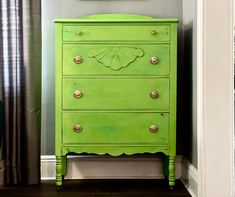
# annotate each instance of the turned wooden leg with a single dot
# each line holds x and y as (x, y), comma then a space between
(59, 172)
(171, 171)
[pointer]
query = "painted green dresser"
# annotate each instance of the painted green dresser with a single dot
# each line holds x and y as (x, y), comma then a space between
(116, 88)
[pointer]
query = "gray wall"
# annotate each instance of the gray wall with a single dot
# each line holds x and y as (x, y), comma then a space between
(189, 81)
(52, 9)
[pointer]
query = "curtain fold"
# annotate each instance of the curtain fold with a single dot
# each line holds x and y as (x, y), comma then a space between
(20, 91)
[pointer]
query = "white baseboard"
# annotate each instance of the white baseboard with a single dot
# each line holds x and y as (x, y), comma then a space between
(189, 177)
(101, 167)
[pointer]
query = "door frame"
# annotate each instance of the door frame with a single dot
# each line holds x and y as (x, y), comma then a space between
(215, 97)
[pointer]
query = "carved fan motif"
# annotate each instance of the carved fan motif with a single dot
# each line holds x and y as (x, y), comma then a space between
(116, 57)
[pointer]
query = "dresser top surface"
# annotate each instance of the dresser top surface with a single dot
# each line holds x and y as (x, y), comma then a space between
(117, 18)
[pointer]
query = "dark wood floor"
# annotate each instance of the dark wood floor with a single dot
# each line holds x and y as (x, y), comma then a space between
(90, 188)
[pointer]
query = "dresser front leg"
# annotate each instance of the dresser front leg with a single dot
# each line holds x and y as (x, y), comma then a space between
(59, 172)
(171, 171)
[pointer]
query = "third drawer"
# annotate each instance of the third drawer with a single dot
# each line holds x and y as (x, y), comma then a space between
(116, 93)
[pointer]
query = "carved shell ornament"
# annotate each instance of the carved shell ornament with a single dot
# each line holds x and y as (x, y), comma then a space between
(116, 57)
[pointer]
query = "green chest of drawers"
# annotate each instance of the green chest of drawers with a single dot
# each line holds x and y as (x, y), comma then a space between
(116, 87)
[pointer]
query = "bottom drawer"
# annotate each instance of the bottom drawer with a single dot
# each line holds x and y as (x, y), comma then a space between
(115, 128)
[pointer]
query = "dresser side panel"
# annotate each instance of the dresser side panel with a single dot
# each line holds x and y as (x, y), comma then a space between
(58, 88)
(173, 89)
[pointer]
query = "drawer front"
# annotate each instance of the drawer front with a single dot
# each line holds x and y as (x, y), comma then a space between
(88, 59)
(116, 33)
(116, 93)
(115, 128)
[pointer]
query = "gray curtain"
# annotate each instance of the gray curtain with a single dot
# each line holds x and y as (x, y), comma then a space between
(20, 91)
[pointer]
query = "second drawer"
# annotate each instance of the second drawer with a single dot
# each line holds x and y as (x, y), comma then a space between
(116, 59)
(116, 93)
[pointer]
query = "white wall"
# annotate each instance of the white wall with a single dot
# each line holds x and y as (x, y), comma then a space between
(73, 9)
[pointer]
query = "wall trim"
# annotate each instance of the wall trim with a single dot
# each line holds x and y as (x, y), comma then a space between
(200, 113)
(189, 177)
(103, 167)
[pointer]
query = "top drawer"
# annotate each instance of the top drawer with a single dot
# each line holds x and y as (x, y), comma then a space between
(157, 33)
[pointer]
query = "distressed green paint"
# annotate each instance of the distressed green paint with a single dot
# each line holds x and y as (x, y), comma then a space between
(115, 128)
(114, 150)
(139, 66)
(116, 78)
(58, 119)
(172, 171)
(109, 33)
(120, 56)
(116, 93)
(58, 89)
(58, 171)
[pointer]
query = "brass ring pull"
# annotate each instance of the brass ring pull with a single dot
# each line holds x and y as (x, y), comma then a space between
(154, 60)
(77, 128)
(78, 59)
(77, 94)
(153, 32)
(153, 128)
(154, 94)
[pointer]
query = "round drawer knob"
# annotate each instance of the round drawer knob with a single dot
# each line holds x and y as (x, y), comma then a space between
(77, 94)
(153, 128)
(79, 32)
(78, 59)
(77, 128)
(154, 94)
(153, 32)
(154, 60)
